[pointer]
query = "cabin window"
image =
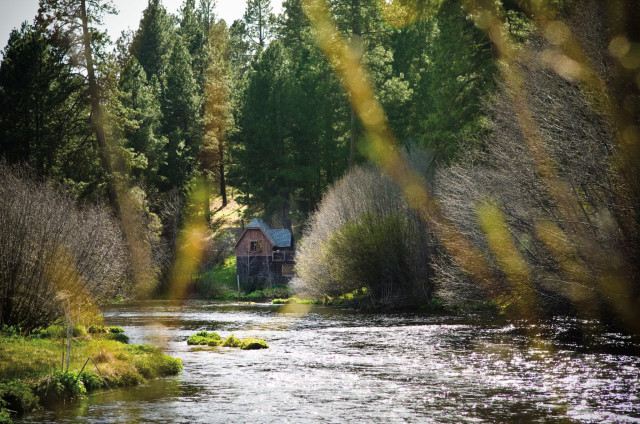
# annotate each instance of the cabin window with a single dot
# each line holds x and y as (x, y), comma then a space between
(279, 256)
(256, 246)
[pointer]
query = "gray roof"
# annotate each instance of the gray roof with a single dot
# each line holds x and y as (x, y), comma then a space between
(279, 238)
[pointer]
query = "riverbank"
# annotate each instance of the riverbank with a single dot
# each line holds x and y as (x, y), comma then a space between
(30, 367)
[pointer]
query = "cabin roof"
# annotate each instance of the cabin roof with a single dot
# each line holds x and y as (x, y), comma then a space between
(279, 238)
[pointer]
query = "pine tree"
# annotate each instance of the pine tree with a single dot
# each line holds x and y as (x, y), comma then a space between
(217, 114)
(73, 24)
(42, 103)
(142, 132)
(264, 171)
(259, 23)
(152, 42)
(181, 116)
(456, 74)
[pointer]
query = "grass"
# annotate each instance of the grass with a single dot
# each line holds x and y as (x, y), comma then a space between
(296, 300)
(204, 338)
(32, 365)
(225, 273)
(213, 339)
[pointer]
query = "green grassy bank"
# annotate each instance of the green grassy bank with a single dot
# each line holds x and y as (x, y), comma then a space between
(31, 366)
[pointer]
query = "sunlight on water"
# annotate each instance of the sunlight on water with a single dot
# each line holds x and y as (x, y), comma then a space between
(328, 365)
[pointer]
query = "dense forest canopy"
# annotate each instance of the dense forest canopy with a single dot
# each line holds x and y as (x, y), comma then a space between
(505, 135)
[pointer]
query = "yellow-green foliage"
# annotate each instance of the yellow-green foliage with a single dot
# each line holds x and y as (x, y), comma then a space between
(232, 341)
(253, 344)
(205, 338)
(213, 339)
(94, 329)
(225, 273)
(119, 337)
(17, 396)
(295, 300)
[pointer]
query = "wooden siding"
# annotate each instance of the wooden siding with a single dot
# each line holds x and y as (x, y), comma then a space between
(254, 234)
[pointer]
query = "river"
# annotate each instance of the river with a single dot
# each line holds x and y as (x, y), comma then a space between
(327, 365)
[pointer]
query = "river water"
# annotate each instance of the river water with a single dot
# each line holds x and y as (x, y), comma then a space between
(327, 365)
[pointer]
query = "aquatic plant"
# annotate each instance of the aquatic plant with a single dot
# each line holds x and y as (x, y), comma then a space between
(232, 341)
(205, 338)
(253, 344)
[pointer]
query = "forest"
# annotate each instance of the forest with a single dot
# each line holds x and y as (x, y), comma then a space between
(423, 152)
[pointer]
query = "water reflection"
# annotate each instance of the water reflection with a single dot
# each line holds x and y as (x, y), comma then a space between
(328, 365)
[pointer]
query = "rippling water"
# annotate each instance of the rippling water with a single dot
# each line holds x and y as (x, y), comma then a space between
(330, 365)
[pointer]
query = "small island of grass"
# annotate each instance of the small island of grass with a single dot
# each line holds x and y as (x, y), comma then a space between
(204, 338)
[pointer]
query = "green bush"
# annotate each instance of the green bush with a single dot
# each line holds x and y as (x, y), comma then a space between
(128, 379)
(52, 332)
(91, 381)
(137, 349)
(79, 331)
(205, 338)
(232, 341)
(116, 329)
(169, 365)
(5, 418)
(253, 344)
(97, 329)
(60, 332)
(17, 396)
(144, 367)
(60, 386)
(119, 337)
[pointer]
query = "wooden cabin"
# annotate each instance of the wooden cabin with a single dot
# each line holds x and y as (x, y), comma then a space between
(264, 256)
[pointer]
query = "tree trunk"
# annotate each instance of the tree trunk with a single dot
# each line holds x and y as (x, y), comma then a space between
(355, 32)
(223, 182)
(96, 110)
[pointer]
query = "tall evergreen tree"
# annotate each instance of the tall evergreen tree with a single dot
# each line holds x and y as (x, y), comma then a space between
(43, 108)
(152, 42)
(74, 23)
(259, 23)
(217, 114)
(181, 115)
(142, 130)
(451, 73)
(264, 170)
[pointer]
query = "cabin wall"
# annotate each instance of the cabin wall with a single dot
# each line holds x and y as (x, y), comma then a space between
(244, 246)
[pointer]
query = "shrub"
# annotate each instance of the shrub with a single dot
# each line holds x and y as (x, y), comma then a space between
(205, 338)
(564, 198)
(119, 337)
(97, 329)
(91, 381)
(50, 249)
(232, 341)
(115, 329)
(150, 362)
(60, 387)
(5, 418)
(79, 331)
(364, 228)
(169, 365)
(137, 349)
(52, 332)
(253, 344)
(17, 396)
